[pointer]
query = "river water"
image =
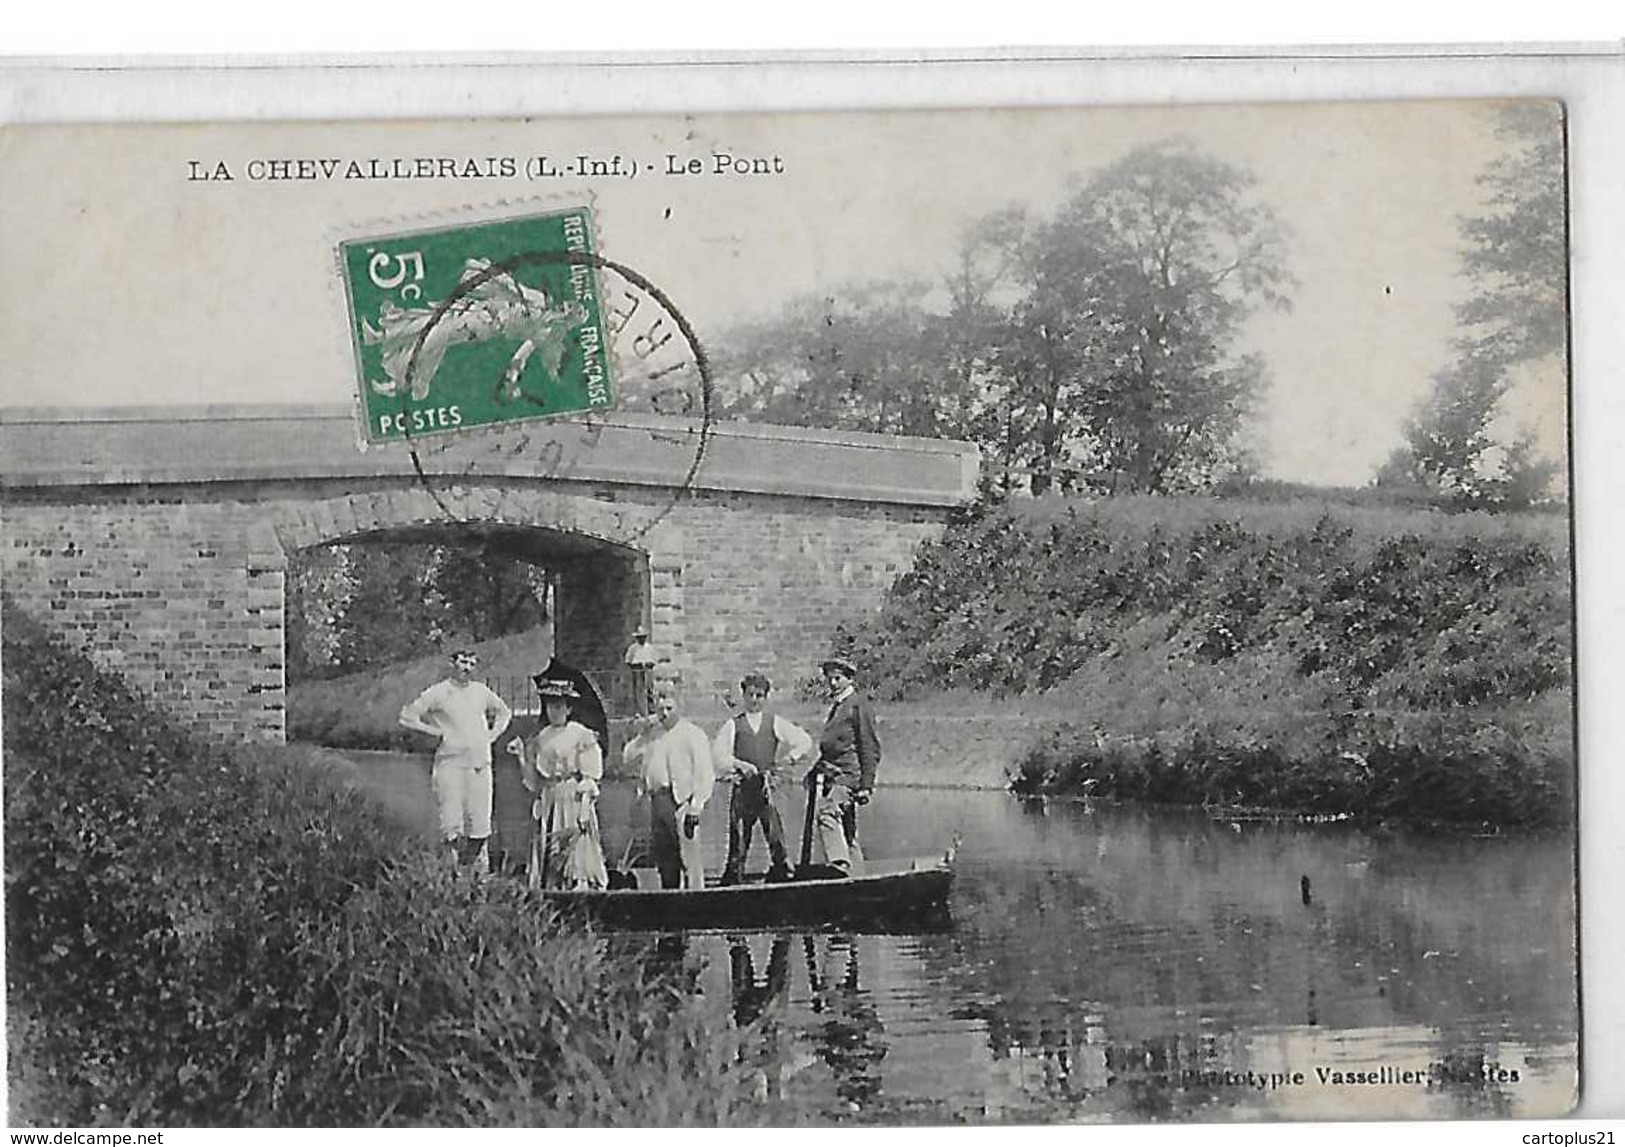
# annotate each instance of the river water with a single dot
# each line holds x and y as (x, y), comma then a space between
(1111, 963)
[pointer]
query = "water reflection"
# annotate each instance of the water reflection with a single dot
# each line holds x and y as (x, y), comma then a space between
(1122, 964)
(1133, 965)
(850, 1036)
(752, 997)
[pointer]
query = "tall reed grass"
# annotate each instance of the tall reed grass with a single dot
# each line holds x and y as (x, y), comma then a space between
(198, 937)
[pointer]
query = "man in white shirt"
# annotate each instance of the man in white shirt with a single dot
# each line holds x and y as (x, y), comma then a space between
(748, 747)
(467, 717)
(641, 659)
(673, 757)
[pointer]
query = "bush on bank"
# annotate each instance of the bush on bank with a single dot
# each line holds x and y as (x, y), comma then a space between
(1314, 657)
(201, 938)
(1441, 776)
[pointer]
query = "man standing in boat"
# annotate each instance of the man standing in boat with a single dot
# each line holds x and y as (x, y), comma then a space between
(848, 755)
(749, 746)
(673, 758)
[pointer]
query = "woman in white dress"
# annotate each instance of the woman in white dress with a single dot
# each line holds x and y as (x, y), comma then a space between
(563, 765)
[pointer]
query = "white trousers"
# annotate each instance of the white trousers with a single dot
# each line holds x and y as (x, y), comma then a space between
(463, 795)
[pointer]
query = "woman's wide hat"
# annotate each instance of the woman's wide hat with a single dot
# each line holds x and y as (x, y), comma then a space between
(554, 687)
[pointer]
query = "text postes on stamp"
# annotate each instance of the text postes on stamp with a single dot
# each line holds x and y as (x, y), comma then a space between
(459, 327)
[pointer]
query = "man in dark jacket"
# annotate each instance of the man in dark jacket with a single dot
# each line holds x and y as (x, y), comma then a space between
(848, 755)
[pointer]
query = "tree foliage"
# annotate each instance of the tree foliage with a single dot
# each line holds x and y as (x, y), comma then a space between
(1515, 253)
(355, 605)
(1385, 609)
(1102, 340)
(484, 593)
(1517, 250)
(316, 589)
(1144, 280)
(385, 617)
(866, 359)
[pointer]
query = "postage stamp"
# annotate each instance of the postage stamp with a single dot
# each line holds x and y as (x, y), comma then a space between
(474, 325)
(662, 419)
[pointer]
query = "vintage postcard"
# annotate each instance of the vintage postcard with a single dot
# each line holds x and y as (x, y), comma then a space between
(911, 615)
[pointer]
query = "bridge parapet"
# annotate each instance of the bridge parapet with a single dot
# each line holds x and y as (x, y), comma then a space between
(62, 447)
(160, 543)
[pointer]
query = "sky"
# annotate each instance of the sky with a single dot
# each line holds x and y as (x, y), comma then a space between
(130, 281)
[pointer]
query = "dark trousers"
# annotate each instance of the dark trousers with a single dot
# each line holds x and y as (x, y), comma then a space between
(752, 802)
(750, 998)
(642, 691)
(665, 845)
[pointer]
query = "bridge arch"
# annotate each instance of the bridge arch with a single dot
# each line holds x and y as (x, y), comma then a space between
(159, 539)
(601, 585)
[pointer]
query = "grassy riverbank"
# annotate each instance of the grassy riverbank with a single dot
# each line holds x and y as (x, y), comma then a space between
(960, 741)
(359, 710)
(1304, 656)
(199, 937)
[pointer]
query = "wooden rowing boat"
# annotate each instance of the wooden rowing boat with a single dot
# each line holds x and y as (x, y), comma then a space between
(909, 894)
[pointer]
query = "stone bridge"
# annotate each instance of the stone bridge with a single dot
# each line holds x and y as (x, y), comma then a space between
(159, 538)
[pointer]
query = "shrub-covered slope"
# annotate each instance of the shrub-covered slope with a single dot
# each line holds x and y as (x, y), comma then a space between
(1323, 658)
(202, 938)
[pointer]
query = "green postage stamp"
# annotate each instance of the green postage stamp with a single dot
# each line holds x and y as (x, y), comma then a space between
(478, 324)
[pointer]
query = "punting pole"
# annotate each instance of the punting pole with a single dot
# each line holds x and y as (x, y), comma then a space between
(543, 840)
(815, 790)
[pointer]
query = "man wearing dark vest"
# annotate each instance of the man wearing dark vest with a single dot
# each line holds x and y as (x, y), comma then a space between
(748, 748)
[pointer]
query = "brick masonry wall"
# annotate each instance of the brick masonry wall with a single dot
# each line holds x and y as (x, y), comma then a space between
(184, 600)
(767, 579)
(181, 588)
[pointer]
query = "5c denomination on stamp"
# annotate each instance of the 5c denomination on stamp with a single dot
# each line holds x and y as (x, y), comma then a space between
(453, 328)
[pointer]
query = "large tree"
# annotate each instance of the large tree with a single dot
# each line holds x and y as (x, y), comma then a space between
(1517, 249)
(1141, 286)
(988, 275)
(1104, 339)
(386, 616)
(354, 605)
(485, 593)
(1515, 255)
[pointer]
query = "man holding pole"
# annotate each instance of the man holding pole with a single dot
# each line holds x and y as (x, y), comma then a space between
(844, 777)
(748, 747)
